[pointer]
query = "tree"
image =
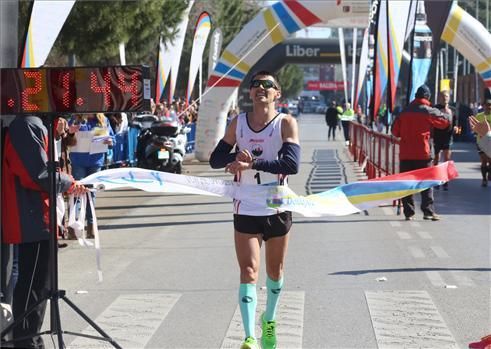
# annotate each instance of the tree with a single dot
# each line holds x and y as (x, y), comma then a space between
(94, 30)
(291, 80)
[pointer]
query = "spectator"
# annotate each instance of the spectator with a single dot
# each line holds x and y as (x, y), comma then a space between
(485, 159)
(483, 131)
(332, 120)
(83, 161)
(25, 222)
(442, 139)
(413, 127)
(347, 116)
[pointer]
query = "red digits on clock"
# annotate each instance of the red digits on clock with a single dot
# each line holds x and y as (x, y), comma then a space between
(26, 105)
(105, 89)
(132, 88)
(65, 83)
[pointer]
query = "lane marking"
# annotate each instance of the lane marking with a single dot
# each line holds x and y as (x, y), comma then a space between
(388, 211)
(395, 224)
(131, 320)
(462, 279)
(407, 319)
(415, 224)
(404, 235)
(416, 252)
(435, 278)
(424, 235)
(289, 317)
(440, 252)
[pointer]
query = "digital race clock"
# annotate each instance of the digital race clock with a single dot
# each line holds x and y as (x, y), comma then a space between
(74, 90)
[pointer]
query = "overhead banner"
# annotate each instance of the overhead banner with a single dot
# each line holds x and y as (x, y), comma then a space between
(215, 49)
(176, 49)
(47, 19)
(201, 32)
(343, 200)
(270, 27)
(471, 39)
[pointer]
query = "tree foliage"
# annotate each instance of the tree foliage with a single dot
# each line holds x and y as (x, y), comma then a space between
(94, 30)
(291, 80)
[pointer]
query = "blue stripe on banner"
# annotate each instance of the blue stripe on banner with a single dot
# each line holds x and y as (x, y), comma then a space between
(222, 68)
(285, 18)
(363, 188)
(486, 74)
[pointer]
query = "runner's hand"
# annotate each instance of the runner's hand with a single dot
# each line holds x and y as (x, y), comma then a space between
(244, 156)
(237, 166)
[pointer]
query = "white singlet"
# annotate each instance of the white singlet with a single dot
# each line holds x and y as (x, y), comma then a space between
(265, 145)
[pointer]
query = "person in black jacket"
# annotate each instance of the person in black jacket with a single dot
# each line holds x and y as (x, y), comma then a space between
(25, 220)
(332, 120)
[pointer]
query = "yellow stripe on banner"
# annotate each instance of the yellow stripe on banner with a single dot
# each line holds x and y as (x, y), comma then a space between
(453, 24)
(359, 199)
(484, 66)
(276, 34)
(232, 59)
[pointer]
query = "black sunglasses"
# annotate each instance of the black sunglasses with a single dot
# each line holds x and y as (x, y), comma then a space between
(266, 84)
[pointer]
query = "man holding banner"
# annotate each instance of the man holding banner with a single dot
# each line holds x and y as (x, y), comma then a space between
(267, 151)
(413, 127)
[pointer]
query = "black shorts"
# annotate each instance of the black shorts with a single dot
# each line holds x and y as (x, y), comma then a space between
(441, 146)
(268, 226)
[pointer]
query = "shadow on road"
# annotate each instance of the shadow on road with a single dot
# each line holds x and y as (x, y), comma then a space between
(404, 270)
(159, 224)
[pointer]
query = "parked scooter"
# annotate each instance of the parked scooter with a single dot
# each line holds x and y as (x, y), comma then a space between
(162, 144)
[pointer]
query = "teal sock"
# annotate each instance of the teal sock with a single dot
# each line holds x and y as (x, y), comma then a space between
(274, 290)
(247, 304)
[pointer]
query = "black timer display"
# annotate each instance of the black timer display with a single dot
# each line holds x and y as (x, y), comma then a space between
(74, 90)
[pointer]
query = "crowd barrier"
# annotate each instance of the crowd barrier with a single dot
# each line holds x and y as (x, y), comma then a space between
(123, 152)
(377, 153)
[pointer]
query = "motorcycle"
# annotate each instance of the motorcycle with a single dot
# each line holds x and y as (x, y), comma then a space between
(161, 144)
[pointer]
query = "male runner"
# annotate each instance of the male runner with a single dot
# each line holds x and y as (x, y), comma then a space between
(267, 151)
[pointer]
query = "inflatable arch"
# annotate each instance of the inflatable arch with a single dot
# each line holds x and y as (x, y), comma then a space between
(276, 22)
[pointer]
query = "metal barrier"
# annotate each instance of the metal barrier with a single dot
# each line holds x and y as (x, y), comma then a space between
(377, 153)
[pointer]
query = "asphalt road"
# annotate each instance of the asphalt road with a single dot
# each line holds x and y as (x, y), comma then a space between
(362, 281)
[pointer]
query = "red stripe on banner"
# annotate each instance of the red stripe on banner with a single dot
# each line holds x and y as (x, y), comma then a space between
(444, 172)
(307, 17)
(222, 82)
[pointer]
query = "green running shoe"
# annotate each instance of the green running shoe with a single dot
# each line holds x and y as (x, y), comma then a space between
(250, 343)
(268, 338)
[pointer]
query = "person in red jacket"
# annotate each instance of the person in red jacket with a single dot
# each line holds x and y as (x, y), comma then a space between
(25, 220)
(413, 126)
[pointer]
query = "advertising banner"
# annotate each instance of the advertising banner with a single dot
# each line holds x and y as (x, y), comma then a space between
(325, 85)
(471, 39)
(176, 50)
(47, 19)
(215, 49)
(201, 32)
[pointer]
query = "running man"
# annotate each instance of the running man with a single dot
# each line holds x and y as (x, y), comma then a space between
(267, 151)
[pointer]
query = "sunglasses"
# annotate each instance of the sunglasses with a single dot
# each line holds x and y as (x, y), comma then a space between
(266, 84)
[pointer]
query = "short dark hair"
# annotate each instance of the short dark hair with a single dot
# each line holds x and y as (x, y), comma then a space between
(265, 72)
